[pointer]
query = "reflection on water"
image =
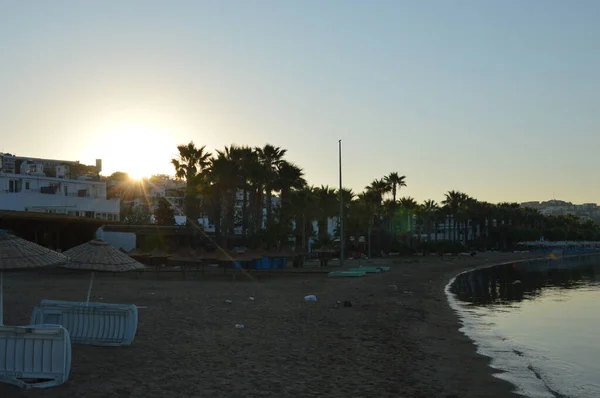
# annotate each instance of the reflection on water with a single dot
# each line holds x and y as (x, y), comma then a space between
(508, 283)
(538, 321)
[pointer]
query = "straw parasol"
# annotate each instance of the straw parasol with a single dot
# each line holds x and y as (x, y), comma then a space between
(233, 256)
(17, 253)
(204, 255)
(185, 255)
(97, 255)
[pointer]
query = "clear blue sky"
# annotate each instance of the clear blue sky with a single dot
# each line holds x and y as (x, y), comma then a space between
(499, 99)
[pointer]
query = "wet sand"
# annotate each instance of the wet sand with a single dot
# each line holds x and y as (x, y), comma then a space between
(399, 339)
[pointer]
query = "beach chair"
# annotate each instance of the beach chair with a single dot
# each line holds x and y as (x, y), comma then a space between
(34, 356)
(90, 323)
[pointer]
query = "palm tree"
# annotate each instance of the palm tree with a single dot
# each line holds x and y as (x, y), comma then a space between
(328, 205)
(289, 177)
(395, 181)
(189, 166)
(380, 187)
(452, 202)
(270, 158)
(430, 207)
(409, 206)
(367, 208)
(347, 198)
(222, 174)
(303, 204)
(248, 161)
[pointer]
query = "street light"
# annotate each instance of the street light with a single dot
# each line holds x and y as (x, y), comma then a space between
(341, 209)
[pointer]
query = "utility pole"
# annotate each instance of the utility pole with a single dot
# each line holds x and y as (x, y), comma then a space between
(341, 209)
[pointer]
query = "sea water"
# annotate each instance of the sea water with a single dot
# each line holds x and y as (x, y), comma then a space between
(539, 321)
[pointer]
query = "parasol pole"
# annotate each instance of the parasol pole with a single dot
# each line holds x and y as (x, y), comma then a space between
(1, 296)
(89, 294)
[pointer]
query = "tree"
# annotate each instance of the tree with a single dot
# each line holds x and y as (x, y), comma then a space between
(134, 215)
(327, 201)
(222, 177)
(379, 187)
(304, 207)
(289, 177)
(164, 214)
(430, 207)
(118, 177)
(452, 202)
(395, 181)
(189, 166)
(270, 158)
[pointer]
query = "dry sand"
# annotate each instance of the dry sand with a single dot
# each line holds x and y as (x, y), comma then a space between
(400, 341)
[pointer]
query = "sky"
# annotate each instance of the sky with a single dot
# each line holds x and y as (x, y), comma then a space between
(499, 99)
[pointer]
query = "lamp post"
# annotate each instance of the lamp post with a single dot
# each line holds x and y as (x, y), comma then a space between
(341, 209)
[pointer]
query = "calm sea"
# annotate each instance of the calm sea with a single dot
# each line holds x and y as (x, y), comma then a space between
(539, 321)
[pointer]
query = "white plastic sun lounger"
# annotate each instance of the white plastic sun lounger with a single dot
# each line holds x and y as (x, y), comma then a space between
(34, 356)
(90, 323)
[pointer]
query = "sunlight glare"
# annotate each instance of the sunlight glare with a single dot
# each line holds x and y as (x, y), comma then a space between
(136, 150)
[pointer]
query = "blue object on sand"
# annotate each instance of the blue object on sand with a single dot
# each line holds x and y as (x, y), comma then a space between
(34, 356)
(90, 323)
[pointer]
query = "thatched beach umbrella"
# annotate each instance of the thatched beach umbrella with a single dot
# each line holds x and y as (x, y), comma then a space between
(97, 255)
(184, 255)
(17, 253)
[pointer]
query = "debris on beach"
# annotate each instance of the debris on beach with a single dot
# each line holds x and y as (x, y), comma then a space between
(251, 298)
(228, 301)
(240, 326)
(394, 287)
(310, 298)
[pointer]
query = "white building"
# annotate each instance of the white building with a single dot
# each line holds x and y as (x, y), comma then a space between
(31, 191)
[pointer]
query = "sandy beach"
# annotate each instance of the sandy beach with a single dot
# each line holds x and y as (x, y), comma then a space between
(398, 339)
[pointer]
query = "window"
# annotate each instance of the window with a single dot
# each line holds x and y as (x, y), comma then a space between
(66, 190)
(110, 217)
(27, 185)
(89, 214)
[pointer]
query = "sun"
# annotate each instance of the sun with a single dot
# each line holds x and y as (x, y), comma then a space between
(137, 150)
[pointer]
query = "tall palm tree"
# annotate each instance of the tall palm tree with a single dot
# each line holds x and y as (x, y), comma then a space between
(304, 207)
(379, 187)
(452, 202)
(222, 174)
(189, 166)
(409, 206)
(347, 198)
(248, 161)
(396, 182)
(289, 177)
(368, 206)
(270, 158)
(328, 205)
(429, 207)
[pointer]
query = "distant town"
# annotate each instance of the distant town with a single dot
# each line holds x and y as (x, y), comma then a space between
(585, 211)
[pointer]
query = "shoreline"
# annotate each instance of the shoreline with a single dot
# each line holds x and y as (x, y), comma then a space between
(400, 338)
(535, 384)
